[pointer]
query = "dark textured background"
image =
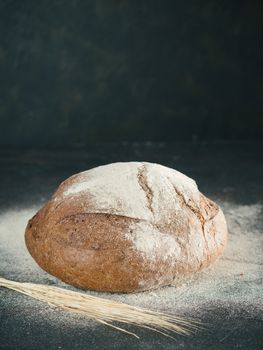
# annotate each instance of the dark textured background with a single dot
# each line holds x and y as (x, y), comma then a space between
(77, 72)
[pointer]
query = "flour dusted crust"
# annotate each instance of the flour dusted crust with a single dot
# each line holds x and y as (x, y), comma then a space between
(126, 227)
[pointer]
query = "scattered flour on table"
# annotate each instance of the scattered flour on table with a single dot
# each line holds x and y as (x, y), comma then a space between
(234, 278)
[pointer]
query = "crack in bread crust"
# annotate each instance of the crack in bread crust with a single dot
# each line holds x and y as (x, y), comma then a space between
(97, 213)
(142, 180)
(213, 208)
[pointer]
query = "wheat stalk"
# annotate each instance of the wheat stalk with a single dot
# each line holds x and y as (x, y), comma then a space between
(103, 310)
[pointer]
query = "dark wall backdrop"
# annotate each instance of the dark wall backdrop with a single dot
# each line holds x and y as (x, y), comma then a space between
(77, 72)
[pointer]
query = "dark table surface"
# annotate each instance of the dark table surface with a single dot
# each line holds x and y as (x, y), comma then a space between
(228, 297)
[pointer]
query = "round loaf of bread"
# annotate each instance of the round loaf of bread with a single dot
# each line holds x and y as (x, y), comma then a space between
(126, 227)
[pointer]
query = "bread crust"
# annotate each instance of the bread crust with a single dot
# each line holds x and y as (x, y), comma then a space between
(146, 233)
